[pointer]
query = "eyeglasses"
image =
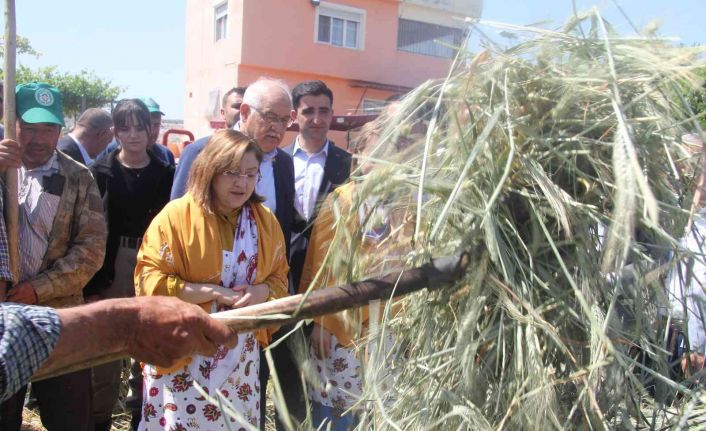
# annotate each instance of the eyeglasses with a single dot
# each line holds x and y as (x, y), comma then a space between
(235, 175)
(272, 118)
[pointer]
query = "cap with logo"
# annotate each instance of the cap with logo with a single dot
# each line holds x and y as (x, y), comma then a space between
(38, 102)
(152, 106)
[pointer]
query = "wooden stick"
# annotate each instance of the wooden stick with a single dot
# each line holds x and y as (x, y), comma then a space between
(440, 272)
(11, 205)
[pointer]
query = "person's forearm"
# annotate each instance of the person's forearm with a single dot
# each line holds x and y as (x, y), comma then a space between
(91, 331)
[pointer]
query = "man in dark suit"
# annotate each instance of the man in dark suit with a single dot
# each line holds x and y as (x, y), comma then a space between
(230, 112)
(91, 135)
(265, 114)
(319, 166)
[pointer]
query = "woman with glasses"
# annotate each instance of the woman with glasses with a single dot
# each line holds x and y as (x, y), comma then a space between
(219, 247)
(135, 186)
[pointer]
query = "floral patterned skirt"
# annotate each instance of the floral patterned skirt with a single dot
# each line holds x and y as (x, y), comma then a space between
(339, 376)
(172, 402)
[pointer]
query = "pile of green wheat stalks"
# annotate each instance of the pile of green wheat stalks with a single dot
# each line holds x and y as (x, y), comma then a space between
(560, 162)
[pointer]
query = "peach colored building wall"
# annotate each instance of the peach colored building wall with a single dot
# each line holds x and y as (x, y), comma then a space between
(210, 66)
(276, 38)
(294, 49)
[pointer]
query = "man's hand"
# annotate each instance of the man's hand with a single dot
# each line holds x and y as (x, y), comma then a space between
(252, 295)
(166, 329)
(10, 154)
(22, 293)
(320, 341)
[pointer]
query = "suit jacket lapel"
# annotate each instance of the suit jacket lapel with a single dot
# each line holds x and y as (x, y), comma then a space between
(279, 196)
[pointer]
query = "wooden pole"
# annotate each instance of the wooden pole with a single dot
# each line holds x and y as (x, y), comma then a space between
(438, 273)
(11, 205)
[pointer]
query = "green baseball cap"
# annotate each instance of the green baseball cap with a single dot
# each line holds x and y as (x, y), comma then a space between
(152, 106)
(38, 102)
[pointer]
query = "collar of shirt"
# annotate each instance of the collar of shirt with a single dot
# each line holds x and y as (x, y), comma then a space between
(266, 186)
(84, 153)
(51, 166)
(268, 157)
(298, 149)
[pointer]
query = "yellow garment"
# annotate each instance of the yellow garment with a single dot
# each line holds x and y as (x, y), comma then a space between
(371, 258)
(184, 243)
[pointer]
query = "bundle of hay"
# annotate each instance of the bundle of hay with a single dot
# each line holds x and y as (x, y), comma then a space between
(560, 161)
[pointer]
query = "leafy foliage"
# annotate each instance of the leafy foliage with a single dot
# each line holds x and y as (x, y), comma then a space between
(81, 90)
(23, 46)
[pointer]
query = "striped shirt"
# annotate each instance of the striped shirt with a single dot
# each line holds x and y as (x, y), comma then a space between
(5, 274)
(28, 334)
(37, 210)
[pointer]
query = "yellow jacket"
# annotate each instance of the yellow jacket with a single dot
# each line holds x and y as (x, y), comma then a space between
(356, 256)
(184, 243)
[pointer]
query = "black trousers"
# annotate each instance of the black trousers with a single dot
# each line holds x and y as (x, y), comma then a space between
(64, 404)
(288, 374)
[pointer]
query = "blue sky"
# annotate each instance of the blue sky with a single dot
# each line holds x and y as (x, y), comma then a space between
(139, 45)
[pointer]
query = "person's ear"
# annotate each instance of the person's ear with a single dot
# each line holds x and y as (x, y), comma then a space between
(244, 112)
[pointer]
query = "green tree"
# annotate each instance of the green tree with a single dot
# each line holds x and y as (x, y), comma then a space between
(22, 46)
(79, 91)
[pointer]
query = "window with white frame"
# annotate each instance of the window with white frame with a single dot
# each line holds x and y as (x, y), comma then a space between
(220, 21)
(428, 39)
(372, 106)
(340, 25)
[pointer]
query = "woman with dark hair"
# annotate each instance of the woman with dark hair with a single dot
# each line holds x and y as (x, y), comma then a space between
(135, 186)
(219, 247)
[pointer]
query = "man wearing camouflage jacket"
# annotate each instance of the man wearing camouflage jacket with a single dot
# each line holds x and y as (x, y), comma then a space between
(62, 243)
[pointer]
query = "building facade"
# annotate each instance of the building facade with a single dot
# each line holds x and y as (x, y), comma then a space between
(365, 50)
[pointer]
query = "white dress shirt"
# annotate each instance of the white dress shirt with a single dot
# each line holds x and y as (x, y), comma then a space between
(84, 153)
(308, 174)
(37, 211)
(266, 186)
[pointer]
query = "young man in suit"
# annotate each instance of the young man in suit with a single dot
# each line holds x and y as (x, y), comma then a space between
(230, 112)
(91, 135)
(319, 166)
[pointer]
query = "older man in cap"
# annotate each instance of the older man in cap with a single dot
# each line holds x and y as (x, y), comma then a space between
(62, 242)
